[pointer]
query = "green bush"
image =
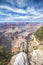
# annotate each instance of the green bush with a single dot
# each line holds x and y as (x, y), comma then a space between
(4, 56)
(39, 34)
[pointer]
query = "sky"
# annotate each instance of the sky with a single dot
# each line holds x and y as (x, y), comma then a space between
(21, 10)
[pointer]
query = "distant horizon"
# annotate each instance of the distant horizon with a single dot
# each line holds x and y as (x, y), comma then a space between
(21, 22)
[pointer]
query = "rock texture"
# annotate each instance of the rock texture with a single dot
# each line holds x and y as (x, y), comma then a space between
(37, 57)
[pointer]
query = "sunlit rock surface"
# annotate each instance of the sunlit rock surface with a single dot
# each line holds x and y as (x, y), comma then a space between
(21, 59)
(13, 59)
(37, 57)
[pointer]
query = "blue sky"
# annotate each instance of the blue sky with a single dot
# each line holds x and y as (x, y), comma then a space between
(21, 10)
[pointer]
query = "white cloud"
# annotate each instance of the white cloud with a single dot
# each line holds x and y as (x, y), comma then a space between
(40, 10)
(35, 14)
(37, 17)
(17, 18)
(22, 3)
(11, 1)
(13, 9)
(1, 13)
(32, 11)
(18, 3)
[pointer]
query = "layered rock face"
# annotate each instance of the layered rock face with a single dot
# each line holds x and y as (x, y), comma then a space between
(34, 50)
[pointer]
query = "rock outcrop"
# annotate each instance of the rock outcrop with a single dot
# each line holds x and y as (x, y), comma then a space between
(37, 57)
